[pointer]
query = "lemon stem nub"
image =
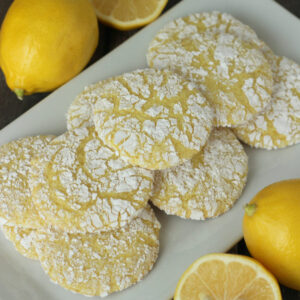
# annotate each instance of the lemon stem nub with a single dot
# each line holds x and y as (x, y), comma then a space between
(19, 93)
(250, 209)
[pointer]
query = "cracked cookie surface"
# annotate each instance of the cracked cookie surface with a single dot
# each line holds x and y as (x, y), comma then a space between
(154, 118)
(16, 206)
(277, 126)
(100, 264)
(223, 57)
(208, 184)
(23, 240)
(81, 185)
(80, 112)
(214, 22)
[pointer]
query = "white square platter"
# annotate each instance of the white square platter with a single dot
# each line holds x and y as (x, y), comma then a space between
(181, 241)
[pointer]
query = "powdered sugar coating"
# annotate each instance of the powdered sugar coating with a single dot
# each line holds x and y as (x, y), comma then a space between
(100, 264)
(204, 22)
(80, 113)
(214, 22)
(153, 118)
(209, 184)
(81, 185)
(23, 239)
(16, 206)
(223, 57)
(278, 125)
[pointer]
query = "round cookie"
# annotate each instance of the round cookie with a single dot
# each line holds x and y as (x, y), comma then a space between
(80, 112)
(23, 240)
(16, 206)
(208, 184)
(278, 125)
(214, 22)
(234, 97)
(233, 74)
(81, 185)
(154, 118)
(100, 264)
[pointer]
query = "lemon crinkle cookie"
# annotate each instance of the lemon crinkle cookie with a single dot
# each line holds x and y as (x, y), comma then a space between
(23, 240)
(80, 112)
(233, 73)
(100, 264)
(154, 118)
(16, 206)
(278, 125)
(81, 185)
(208, 184)
(213, 22)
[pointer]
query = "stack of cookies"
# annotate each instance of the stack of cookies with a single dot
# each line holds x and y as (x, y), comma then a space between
(73, 204)
(251, 89)
(79, 202)
(158, 120)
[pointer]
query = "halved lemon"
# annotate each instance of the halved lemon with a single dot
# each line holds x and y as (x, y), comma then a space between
(128, 14)
(227, 277)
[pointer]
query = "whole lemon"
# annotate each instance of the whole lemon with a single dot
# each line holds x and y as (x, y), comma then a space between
(44, 43)
(271, 229)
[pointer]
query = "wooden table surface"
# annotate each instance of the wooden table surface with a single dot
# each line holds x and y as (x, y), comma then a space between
(11, 107)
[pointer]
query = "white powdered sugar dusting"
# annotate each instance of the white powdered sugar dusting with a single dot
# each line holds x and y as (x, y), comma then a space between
(219, 54)
(100, 264)
(23, 239)
(278, 125)
(209, 184)
(213, 22)
(81, 185)
(153, 118)
(80, 112)
(16, 206)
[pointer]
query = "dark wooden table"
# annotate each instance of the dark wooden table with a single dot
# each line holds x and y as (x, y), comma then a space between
(11, 107)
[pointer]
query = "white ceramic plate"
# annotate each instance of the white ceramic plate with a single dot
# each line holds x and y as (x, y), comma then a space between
(181, 241)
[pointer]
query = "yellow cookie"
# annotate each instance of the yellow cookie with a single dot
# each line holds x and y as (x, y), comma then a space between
(16, 206)
(214, 22)
(209, 184)
(22, 238)
(223, 57)
(153, 118)
(80, 113)
(278, 125)
(100, 264)
(81, 185)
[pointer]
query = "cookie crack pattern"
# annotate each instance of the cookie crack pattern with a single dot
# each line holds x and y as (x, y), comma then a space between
(16, 206)
(100, 264)
(223, 57)
(278, 125)
(85, 187)
(154, 120)
(208, 184)
(23, 240)
(80, 111)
